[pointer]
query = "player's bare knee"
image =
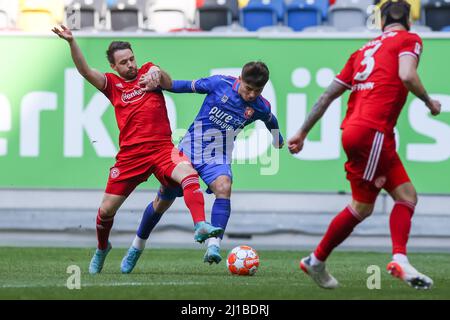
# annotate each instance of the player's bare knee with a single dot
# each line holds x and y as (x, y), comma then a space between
(106, 212)
(160, 205)
(363, 210)
(222, 188)
(406, 193)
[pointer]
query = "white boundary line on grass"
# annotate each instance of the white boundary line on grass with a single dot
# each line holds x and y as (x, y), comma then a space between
(119, 284)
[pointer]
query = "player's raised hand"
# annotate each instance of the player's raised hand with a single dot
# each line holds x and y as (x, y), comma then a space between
(295, 143)
(434, 106)
(151, 80)
(63, 33)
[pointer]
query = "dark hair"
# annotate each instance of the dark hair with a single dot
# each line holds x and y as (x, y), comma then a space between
(255, 73)
(396, 12)
(115, 46)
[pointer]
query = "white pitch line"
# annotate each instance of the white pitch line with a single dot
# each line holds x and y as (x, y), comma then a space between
(119, 284)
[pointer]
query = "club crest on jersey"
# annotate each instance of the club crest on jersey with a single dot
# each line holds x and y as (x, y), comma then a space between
(115, 172)
(133, 95)
(224, 99)
(249, 111)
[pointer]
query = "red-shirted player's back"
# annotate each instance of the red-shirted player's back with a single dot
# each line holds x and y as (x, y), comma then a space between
(372, 73)
(141, 116)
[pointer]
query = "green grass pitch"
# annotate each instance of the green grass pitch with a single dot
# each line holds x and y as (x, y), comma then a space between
(41, 273)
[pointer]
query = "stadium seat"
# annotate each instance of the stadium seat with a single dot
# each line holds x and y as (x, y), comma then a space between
(344, 14)
(8, 13)
(322, 5)
(363, 29)
(40, 15)
(213, 15)
(446, 29)
(420, 28)
(166, 15)
(232, 5)
(243, 3)
(321, 29)
(125, 15)
(275, 29)
(4, 20)
(437, 14)
(90, 14)
(232, 28)
(300, 14)
(258, 14)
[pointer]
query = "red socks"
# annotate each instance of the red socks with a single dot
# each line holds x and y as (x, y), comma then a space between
(104, 226)
(193, 197)
(400, 225)
(339, 229)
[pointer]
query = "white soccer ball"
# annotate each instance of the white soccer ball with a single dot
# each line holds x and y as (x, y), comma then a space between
(243, 261)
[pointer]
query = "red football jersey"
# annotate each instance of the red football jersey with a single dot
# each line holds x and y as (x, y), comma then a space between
(378, 94)
(141, 116)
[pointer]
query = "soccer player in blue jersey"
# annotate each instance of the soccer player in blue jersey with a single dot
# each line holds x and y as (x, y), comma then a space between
(230, 105)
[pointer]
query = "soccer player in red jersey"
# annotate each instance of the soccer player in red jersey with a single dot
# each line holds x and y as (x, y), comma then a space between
(379, 75)
(145, 139)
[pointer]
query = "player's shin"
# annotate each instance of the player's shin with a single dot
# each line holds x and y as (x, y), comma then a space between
(103, 226)
(339, 229)
(193, 197)
(149, 220)
(219, 216)
(400, 226)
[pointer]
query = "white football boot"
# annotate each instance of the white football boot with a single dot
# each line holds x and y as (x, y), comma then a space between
(410, 275)
(319, 274)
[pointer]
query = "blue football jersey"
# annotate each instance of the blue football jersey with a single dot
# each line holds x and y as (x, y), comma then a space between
(222, 116)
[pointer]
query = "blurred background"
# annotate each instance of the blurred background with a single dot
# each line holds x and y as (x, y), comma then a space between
(58, 135)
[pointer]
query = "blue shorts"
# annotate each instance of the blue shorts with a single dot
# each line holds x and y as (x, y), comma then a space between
(207, 172)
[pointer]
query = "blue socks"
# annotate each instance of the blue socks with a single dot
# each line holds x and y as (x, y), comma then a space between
(220, 213)
(148, 222)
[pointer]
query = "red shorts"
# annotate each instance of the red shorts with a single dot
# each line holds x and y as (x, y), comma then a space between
(373, 163)
(135, 164)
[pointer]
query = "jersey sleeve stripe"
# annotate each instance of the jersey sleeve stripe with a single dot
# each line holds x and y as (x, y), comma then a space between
(193, 85)
(407, 53)
(343, 83)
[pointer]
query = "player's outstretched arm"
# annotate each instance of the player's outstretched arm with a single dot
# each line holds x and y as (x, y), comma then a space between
(335, 90)
(96, 78)
(274, 128)
(407, 72)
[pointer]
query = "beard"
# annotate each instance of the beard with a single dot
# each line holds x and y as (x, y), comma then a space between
(130, 74)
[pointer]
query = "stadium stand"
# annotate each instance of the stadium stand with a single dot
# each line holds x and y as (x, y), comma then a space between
(346, 14)
(232, 28)
(258, 14)
(232, 5)
(437, 14)
(91, 14)
(420, 28)
(243, 3)
(215, 13)
(124, 16)
(275, 29)
(166, 15)
(446, 29)
(322, 28)
(8, 14)
(206, 15)
(301, 14)
(39, 15)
